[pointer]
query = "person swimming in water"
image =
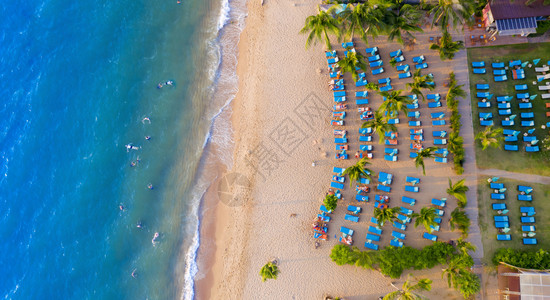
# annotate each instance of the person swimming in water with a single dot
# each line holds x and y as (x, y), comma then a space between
(139, 225)
(134, 273)
(169, 82)
(131, 147)
(150, 186)
(148, 137)
(155, 237)
(121, 207)
(133, 164)
(146, 119)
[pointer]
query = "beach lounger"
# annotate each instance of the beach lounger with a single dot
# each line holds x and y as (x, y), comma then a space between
(521, 87)
(317, 235)
(362, 94)
(441, 160)
(528, 123)
(514, 63)
(527, 115)
(391, 151)
(529, 241)
(486, 122)
(371, 246)
(430, 237)
(396, 243)
(413, 114)
(501, 78)
(421, 66)
(442, 151)
(496, 186)
(396, 53)
(384, 81)
(406, 211)
(340, 140)
(527, 219)
(403, 68)
(499, 72)
(433, 96)
(354, 209)
(525, 198)
(340, 99)
(408, 200)
(330, 53)
(374, 58)
(542, 69)
(439, 133)
(405, 75)
(367, 138)
(403, 219)
(364, 131)
(525, 189)
(384, 188)
(510, 132)
(440, 203)
(498, 196)
(377, 71)
(361, 82)
(479, 70)
(351, 218)
(478, 64)
(371, 50)
(375, 230)
(376, 64)
(413, 189)
(525, 105)
(438, 123)
(390, 157)
(400, 58)
(337, 185)
(386, 88)
(399, 235)
(324, 209)
(399, 225)
(362, 198)
(418, 59)
(332, 60)
(380, 205)
(439, 212)
(440, 141)
(504, 112)
(545, 96)
(390, 142)
(385, 177)
(414, 123)
(373, 237)
(412, 105)
(503, 105)
(499, 206)
(323, 216)
(364, 180)
(502, 225)
(522, 95)
(501, 218)
(504, 98)
(339, 94)
(528, 228)
(527, 209)
(507, 122)
(508, 147)
(498, 65)
(365, 147)
(412, 180)
(362, 101)
(338, 171)
(393, 121)
(346, 231)
(480, 86)
(434, 104)
(504, 237)
(483, 94)
(437, 115)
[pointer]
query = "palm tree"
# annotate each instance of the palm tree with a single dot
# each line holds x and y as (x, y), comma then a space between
(459, 220)
(424, 153)
(330, 202)
(458, 266)
(405, 20)
(463, 246)
(426, 217)
(269, 271)
(363, 19)
(455, 142)
(386, 214)
(490, 137)
(319, 27)
(447, 47)
(452, 10)
(394, 102)
(410, 291)
(379, 124)
(420, 82)
(351, 62)
(454, 91)
(357, 171)
(458, 190)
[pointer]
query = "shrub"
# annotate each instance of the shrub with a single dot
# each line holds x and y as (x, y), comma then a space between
(342, 255)
(467, 284)
(269, 271)
(330, 202)
(523, 259)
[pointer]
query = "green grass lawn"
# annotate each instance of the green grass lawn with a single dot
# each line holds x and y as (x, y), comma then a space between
(541, 203)
(520, 161)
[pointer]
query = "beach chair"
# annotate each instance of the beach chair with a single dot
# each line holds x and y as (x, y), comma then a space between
(480, 86)
(439, 133)
(373, 237)
(434, 104)
(525, 189)
(406, 211)
(438, 123)
(377, 71)
(500, 78)
(442, 160)
(421, 66)
(418, 59)
(365, 147)
(362, 101)
(404, 75)
(437, 202)
(498, 65)
(479, 70)
(346, 231)
(501, 218)
(332, 60)
(437, 115)
(399, 225)
(499, 72)
(439, 212)
(376, 64)
(504, 237)
(393, 121)
(317, 235)
(511, 138)
(509, 147)
(340, 99)
(521, 87)
(440, 141)
(338, 171)
(385, 177)
(545, 96)
(529, 241)
(514, 63)
(527, 219)
(390, 157)
(502, 225)
(433, 96)
(361, 82)
(374, 58)
(412, 180)
(364, 131)
(525, 105)
(362, 94)
(527, 123)
(430, 237)
(478, 64)
(442, 152)
(362, 198)
(496, 185)
(324, 209)
(483, 94)
(413, 189)
(396, 243)
(498, 196)
(522, 95)
(351, 218)
(527, 210)
(354, 209)
(365, 138)
(396, 53)
(408, 200)
(414, 123)
(403, 219)
(504, 112)
(386, 88)
(340, 140)
(384, 188)
(529, 138)
(400, 58)
(507, 123)
(403, 68)
(391, 151)
(486, 122)
(371, 50)
(525, 198)
(371, 246)
(527, 115)
(398, 235)
(386, 80)
(499, 206)
(340, 94)
(413, 114)
(528, 228)
(375, 230)
(503, 105)
(504, 98)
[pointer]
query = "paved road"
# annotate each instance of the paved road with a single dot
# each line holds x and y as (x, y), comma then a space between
(513, 175)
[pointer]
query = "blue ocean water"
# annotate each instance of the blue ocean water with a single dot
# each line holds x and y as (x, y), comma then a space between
(76, 80)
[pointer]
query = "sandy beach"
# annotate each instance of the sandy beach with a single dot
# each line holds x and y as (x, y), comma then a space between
(263, 208)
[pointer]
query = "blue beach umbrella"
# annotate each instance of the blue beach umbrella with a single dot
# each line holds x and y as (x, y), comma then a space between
(502, 190)
(512, 117)
(524, 64)
(494, 179)
(533, 96)
(505, 211)
(530, 131)
(534, 142)
(536, 61)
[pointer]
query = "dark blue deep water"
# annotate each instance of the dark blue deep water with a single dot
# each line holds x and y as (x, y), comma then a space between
(76, 80)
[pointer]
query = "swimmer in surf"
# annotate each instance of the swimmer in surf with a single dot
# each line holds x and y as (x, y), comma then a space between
(121, 207)
(155, 237)
(169, 82)
(145, 119)
(150, 186)
(139, 225)
(134, 273)
(148, 137)
(131, 147)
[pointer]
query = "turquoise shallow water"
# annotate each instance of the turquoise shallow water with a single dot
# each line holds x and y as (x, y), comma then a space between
(76, 80)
